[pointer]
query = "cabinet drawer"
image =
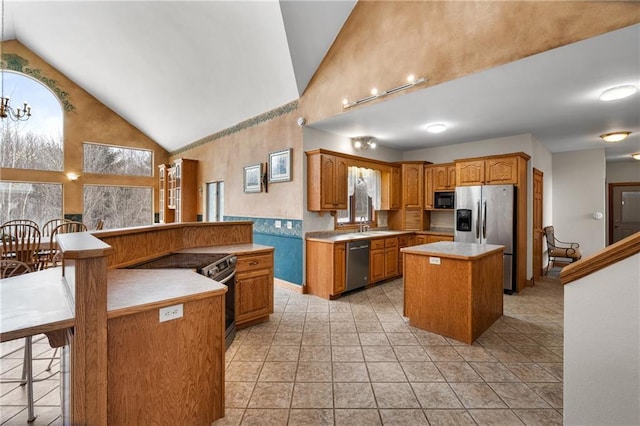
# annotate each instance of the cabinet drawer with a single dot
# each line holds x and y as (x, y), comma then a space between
(251, 263)
(377, 244)
(391, 242)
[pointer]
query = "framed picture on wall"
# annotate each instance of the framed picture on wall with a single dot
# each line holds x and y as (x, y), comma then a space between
(280, 166)
(253, 178)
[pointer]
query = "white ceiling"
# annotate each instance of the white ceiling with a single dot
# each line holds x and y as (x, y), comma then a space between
(182, 70)
(552, 95)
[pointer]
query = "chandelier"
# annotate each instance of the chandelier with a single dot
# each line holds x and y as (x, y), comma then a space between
(6, 110)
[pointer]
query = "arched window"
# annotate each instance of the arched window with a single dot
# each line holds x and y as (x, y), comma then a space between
(37, 143)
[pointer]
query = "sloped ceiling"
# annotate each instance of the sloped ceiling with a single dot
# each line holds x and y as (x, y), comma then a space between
(180, 71)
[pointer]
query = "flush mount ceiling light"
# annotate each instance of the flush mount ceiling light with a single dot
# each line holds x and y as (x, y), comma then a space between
(618, 92)
(636, 155)
(364, 142)
(375, 93)
(436, 128)
(615, 136)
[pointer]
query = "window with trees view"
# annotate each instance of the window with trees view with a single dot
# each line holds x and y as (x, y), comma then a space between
(117, 160)
(117, 206)
(25, 200)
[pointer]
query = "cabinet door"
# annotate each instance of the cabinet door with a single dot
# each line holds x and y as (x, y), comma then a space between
(470, 173)
(376, 265)
(421, 239)
(428, 187)
(339, 264)
(391, 262)
(501, 170)
(412, 191)
(254, 295)
(394, 193)
(451, 171)
(440, 178)
(333, 183)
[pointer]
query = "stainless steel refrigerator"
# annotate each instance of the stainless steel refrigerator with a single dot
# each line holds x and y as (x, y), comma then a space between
(487, 215)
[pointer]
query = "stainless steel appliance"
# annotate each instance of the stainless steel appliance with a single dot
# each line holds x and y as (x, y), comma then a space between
(443, 200)
(487, 215)
(357, 264)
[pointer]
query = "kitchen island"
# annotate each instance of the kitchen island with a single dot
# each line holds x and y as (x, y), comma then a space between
(453, 289)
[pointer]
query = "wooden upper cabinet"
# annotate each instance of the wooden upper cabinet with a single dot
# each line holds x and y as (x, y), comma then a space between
(501, 170)
(326, 182)
(444, 177)
(495, 170)
(428, 187)
(391, 189)
(470, 173)
(412, 184)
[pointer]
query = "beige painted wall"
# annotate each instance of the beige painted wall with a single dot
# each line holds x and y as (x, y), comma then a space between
(91, 121)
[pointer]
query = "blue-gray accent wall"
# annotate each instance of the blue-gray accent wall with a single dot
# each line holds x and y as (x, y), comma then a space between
(287, 241)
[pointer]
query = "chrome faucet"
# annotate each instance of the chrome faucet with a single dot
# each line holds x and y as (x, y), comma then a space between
(364, 225)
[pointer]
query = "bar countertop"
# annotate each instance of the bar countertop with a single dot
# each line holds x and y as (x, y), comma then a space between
(34, 303)
(454, 250)
(228, 248)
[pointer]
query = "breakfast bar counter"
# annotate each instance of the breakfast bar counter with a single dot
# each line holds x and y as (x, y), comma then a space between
(453, 289)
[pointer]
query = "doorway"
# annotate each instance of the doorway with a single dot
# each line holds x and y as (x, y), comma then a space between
(624, 210)
(537, 223)
(215, 201)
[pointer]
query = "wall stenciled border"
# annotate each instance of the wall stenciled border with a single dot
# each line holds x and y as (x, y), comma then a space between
(13, 62)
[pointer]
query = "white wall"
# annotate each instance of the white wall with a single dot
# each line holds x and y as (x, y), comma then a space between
(623, 171)
(578, 192)
(542, 160)
(602, 346)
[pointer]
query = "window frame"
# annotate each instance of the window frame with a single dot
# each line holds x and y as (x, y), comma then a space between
(152, 172)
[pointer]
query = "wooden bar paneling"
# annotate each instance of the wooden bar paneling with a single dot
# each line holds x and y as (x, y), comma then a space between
(169, 372)
(135, 245)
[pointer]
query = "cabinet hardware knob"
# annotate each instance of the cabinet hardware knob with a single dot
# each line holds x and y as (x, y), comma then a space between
(255, 262)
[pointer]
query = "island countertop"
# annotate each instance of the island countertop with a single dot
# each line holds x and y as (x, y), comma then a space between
(454, 250)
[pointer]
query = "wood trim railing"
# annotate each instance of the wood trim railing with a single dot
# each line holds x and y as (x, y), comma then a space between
(600, 260)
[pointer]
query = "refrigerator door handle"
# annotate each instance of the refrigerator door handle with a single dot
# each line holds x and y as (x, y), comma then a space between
(484, 219)
(478, 221)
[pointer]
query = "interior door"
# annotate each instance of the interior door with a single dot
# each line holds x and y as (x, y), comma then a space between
(624, 210)
(537, 223)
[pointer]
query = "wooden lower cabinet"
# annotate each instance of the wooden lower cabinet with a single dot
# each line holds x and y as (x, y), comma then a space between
(383, 259)
(254, 287)
(429, 238)
(325, 268)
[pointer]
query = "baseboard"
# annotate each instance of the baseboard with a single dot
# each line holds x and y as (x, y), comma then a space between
(289, 286)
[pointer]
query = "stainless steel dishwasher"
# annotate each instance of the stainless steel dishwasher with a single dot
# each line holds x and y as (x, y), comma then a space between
(357, 264)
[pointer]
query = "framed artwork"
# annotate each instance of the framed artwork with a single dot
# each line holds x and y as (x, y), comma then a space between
(280, 165)
(253, 178)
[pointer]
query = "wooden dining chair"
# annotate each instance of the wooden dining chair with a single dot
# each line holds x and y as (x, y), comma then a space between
(50, 225)
(21, 222)
(55, 255)
(21, 242)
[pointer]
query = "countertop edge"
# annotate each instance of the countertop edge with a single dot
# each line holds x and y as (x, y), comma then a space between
(436, 252)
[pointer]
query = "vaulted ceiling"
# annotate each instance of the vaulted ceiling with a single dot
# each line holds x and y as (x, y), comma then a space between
(182, 70)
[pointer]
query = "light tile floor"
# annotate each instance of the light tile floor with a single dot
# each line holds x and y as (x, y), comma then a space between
(355, 360)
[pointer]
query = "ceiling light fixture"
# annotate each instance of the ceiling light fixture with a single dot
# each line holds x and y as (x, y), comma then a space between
(618, 92)
(6, 110)
(375, 93)
(615, 136)
(364, 142)
(636, 155)
(436, 128)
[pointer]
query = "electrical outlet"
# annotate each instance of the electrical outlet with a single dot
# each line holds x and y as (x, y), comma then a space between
(278, 224)
(434, 260)
(171, 312)
(289, 224)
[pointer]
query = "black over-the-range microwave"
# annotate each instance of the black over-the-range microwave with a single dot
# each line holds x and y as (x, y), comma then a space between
(444, 200)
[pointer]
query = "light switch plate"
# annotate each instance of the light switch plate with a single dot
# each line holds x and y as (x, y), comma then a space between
(171, 312)
(434, 260)
(278, 224)
(289, 224)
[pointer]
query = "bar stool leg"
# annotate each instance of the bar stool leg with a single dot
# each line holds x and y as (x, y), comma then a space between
(29, 370)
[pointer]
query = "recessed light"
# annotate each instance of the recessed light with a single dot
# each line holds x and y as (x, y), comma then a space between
(615, 136)
(636, 155)
(436, 128)
(618, 92)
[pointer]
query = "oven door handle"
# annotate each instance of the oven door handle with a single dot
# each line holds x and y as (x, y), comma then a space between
(224, 281)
